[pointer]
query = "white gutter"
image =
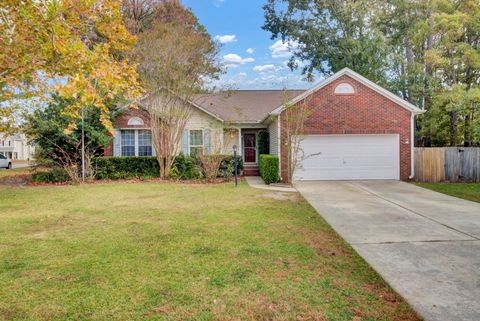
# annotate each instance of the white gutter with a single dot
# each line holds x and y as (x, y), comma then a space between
(412, 146)
(279, 144)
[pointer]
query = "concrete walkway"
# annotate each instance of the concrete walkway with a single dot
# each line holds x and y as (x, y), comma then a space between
(257, 182)
(426, 245)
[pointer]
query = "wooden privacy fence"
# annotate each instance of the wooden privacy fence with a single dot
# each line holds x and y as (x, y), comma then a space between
(449, 164)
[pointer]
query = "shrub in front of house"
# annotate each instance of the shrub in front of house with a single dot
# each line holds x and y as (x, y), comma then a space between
(126, 167)
(268, 167)
(227, 166)
(54, 175)
(187, 167)
(184, 167)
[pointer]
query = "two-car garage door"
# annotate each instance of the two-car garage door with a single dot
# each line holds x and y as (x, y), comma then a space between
(349, 157)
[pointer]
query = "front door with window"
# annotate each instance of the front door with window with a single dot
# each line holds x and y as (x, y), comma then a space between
(250, 148)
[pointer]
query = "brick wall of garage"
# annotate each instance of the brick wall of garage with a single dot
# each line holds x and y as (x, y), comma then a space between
(365, 112)
(122, 122)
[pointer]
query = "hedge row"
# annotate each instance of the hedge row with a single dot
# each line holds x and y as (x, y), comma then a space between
(184, 167)
(268, 167)
(55, 175)
(126, 167)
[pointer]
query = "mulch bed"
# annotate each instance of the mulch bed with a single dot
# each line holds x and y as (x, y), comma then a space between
(25, 180)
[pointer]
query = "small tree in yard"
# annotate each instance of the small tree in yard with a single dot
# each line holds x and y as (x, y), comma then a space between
(176, 57)
(293, 123)
(60, 146)
(218, 142)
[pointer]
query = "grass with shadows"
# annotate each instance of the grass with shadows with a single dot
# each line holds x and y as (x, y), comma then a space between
(15, 177)
(468, 191)
(4, 173)
(179, 252)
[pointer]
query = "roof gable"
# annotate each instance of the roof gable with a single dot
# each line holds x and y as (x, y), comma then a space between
(352, 74)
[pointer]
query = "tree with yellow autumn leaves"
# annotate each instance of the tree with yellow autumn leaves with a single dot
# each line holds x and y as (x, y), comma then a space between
(76, 48)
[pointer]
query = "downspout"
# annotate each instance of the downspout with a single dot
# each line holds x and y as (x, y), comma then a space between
(279, 146)
(412, 146)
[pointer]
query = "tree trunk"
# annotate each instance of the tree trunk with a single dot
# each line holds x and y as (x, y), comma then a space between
(466, 132)
(454, 132)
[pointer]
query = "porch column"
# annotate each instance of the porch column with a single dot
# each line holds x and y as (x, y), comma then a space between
(240, 148)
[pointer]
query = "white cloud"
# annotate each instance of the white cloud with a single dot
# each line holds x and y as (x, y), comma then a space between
(282, 49)
(218, 3)
(250, 51)
(276, 81)
(298, 63)
(226, 38)
(261, 81)
(234, 60)
(264, 68)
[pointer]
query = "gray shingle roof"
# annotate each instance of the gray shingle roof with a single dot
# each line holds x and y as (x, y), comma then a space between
(245, 106)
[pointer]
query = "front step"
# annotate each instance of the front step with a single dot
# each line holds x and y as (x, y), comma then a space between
(251, 171)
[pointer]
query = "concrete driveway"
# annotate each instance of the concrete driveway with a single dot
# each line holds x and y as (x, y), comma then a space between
(426, 245)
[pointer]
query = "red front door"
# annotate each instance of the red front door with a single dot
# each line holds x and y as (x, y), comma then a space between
(249, 148)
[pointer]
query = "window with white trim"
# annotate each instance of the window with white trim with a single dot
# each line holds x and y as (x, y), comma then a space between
(135, 121)
(196, 142)
(144, 143)
(136, 142)
(128, 142)
(344, 88)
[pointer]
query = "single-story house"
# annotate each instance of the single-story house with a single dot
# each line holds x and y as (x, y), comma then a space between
(355, 129)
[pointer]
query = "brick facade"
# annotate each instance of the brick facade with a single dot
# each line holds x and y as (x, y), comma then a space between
(365, 112)
(122, 122)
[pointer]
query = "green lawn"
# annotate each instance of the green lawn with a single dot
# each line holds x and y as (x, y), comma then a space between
(136, 251)
(468, 191)
(15, 176)
(13, 172)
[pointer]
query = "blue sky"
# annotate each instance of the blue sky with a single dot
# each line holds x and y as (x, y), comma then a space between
(251, 58)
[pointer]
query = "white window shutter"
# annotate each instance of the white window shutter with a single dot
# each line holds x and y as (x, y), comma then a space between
(206, 141)
(185, 150)
(117, 143)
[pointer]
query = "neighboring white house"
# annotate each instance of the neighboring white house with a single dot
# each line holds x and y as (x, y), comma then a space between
(16, 147)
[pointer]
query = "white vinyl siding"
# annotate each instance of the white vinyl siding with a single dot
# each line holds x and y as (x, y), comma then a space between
(212, 132)
(273, 131)
(230, 139)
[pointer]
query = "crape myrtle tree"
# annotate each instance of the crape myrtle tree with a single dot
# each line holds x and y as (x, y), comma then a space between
(425, 51)
(221, 138)
(176, 56)
(292, 121)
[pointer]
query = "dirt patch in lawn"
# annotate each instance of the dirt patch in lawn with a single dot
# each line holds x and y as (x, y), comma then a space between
(15, 177)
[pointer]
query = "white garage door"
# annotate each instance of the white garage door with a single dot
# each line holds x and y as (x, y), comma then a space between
(349, 157)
